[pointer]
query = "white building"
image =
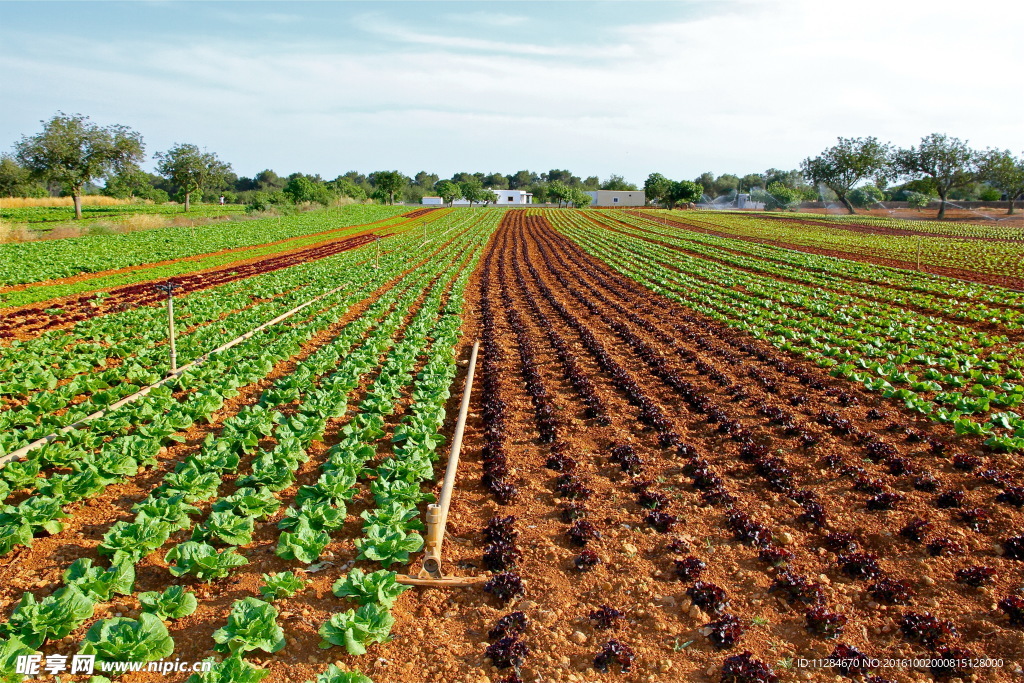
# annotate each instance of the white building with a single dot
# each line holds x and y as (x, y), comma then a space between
(617, 198)
(433, 201)
(502, 198)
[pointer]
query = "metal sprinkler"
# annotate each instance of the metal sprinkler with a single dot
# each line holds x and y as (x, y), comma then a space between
(168, 289)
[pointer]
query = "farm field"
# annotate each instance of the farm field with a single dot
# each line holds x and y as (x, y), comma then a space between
(700, 447)
(39, 216)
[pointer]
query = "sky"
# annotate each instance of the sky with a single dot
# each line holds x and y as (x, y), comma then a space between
(600, 88)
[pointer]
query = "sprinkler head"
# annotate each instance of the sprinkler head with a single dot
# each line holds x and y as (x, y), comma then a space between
(168, 287)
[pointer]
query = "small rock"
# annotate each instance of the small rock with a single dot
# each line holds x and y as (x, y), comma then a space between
(629, 548)
(578, 637)
(695, 613)
(927, 580)
(784, 538)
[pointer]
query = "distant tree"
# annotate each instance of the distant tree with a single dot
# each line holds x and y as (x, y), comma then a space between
(448, 191)
(946, 160)
(268, 181)
(617, 182)
(129, 183)
(496, 181)
(750, 182)
(1004, 172)
(591, 183)
(845, 164)
(303, 189)
(682, 192)
(388, 184)
(424, 179)
(918, 200)
(522, 179)
(656, 187)
(865, 196)
(707, 181)
(562, 176)
(579, 197)
(13, 177)
(474, 192)
(463, 176)
(344, 186)
(726, 184)
(540, 192)
(73, 151)
(559, 192)
(776, 196)
(190, 168)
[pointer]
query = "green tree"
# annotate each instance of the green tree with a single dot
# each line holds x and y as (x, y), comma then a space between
(579, 197)
(707, 181)
(129, 183)
(13, 178)
(656, 187)
(72, 150)
(750, 182)
(303, 189)
(474, 192)
(388, 183)
(865, 196)
(191, 169)
(1004, 172)
(268, 181)
(424, 179)
(558, 191)
(946, 160)
(522, 179)
(682, 192)
(776, 196)
(346, 188)
(726, 184)
(617, 182)
(448, 191)
(496, 181)
(845, 164)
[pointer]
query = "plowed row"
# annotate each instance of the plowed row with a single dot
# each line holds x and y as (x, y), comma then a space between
(678, 441)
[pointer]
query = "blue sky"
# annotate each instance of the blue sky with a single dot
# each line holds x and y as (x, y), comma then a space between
(597, 87)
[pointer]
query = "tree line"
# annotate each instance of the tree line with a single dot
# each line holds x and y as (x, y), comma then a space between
(72, 156)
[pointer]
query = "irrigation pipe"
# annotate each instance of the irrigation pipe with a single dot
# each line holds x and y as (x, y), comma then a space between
(25, 450)
(437, 513)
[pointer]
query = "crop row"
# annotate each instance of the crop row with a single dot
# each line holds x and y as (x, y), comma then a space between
(896, 342)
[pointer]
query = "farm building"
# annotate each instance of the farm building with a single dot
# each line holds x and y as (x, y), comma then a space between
(500, 197)
(618, 198)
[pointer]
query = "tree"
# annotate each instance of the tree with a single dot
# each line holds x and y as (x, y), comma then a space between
(522, 179)
(303, 189)
(750, 182)
(346, 188)
(473, 191)
(13, 178)
(845, 164)
(191, 169)
(128, 184)
(1004, 172)
(558, 191)
(448, 191)
(591, 183)
(726, 184)
(682, 192)
(617, 182)
(388, 183)
(707, 181)
(496, 181)
(579, 198)
(73, 151)
(776, 196)
(946, 160)
(424, 179)
(865, 196)
(656, 187)
(268, 181)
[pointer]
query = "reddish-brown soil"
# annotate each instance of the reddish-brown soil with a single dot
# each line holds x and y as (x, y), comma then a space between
(576, 360)
(30, 321)
(668, 345)
(946, 271)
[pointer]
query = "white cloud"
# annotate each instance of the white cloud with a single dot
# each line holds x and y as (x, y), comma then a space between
(764, 84)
